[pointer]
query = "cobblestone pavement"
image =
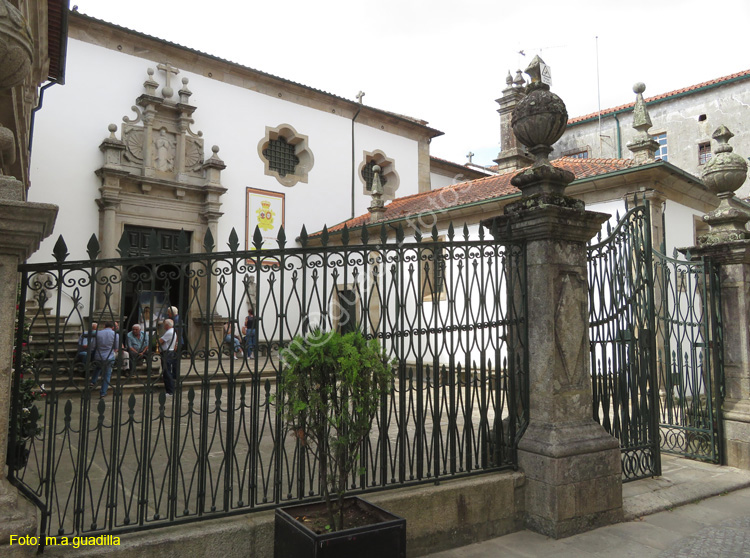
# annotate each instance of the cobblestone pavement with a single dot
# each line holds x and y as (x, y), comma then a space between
(715, 527)
(728, 539)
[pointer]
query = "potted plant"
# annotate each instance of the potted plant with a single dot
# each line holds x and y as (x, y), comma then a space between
(330, 389)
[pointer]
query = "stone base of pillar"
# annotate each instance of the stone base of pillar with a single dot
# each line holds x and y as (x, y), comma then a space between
(17, 517)
(574, 478)
(737, 433)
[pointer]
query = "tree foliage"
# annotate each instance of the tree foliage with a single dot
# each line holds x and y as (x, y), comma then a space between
(332, 386)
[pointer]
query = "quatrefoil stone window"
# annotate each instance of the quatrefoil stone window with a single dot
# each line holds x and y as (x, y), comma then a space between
(286, 155)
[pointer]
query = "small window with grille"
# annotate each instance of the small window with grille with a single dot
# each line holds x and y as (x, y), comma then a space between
(286, 155)
(704, 153)
(281, 157)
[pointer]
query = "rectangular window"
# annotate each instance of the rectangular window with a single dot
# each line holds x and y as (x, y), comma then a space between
(661, 152)
(580, 154)
(704, 153)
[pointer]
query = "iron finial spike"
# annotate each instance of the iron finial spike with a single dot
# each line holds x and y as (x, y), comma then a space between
(93, 248)
(60, 251)
(208, 241)
(234, 241)
(281, 237)
(123, 247)
(257, 238)
(345, 235)
(303, 236)
(324, 238)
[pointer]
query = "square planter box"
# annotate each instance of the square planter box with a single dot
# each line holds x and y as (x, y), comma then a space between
(386, 538)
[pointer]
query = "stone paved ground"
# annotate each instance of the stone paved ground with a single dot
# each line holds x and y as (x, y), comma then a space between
(713, 527)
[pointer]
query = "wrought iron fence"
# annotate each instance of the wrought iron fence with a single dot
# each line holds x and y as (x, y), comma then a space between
(450, 311)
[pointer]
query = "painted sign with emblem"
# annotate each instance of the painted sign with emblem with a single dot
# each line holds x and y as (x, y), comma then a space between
(265, 210)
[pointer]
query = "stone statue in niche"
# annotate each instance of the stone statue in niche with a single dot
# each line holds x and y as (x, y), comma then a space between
(163, 152)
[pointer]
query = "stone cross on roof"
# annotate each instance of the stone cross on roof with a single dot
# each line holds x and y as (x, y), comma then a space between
(469, 156)
(167, 68)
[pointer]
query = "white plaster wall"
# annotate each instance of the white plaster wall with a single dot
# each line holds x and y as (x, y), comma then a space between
(679, 225)
(102, 85)
(440, 181)
(613, 208)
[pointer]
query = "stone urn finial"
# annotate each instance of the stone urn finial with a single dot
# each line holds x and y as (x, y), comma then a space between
(15, 46)
(723, 174)
(540, 118)
(725, 171)
(538, 121)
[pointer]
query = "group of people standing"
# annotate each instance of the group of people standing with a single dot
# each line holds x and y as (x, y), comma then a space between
(103, 348)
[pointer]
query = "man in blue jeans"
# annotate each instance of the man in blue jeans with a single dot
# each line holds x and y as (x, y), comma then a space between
(106, 344)
(168, 343)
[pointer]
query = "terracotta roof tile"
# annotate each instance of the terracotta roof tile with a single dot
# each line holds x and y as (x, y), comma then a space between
(479, 190)
(663, 96)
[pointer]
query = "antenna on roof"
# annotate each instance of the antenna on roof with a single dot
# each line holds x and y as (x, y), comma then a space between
(598, 91)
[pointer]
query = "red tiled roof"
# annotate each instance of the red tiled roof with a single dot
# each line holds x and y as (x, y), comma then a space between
(479, 190)
(663, 96)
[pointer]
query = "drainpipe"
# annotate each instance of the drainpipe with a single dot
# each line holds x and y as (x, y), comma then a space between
(619, 138)
(34, 111)
(354, 170)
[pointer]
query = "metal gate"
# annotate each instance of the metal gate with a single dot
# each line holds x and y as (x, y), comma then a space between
(621, 335)
(689, 356)
(656, 348)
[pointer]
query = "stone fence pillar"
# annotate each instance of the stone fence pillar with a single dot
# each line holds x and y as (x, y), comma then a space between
(23, 225)
(727, 245)
(572, 465)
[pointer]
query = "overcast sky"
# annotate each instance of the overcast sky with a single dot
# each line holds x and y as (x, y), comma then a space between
(445, 61)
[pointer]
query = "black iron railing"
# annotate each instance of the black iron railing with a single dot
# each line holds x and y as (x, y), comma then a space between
(449, 311)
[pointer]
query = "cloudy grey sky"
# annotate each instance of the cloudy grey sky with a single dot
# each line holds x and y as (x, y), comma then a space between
(446, 61)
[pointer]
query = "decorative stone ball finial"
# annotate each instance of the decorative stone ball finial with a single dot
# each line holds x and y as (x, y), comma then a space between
(377, 205)
(112, 129)
(725, 171)
(150, 84)
(723, 174)
(642, 146)
(184, 92)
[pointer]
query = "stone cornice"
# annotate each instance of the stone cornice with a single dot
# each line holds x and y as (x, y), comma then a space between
(23, 226)
(547, 222)
(734, 252)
